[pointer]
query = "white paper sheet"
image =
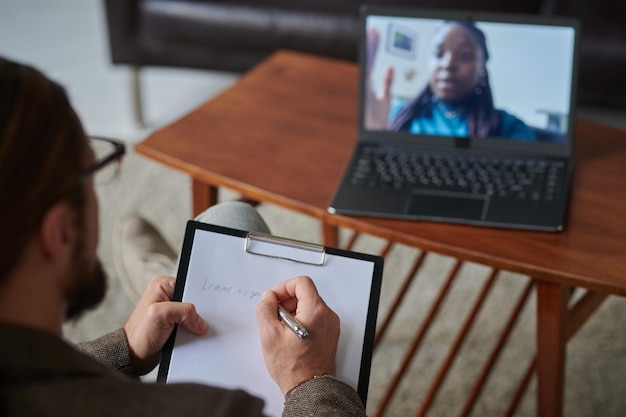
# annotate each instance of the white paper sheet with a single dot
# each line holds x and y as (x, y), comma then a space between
(225, 283)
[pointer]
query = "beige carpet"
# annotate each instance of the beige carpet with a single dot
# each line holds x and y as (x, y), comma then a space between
(596, 367)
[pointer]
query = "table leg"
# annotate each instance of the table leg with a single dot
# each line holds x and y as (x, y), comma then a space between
(203, 196)
(330, 234)
(551, 347)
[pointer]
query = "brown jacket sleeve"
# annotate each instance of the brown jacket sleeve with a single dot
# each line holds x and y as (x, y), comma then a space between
(322, 397)
(110, 350)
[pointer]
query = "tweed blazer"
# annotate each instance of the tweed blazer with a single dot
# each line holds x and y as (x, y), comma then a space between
(42, 375)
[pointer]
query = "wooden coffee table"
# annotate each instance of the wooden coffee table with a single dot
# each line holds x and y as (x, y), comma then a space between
(283, 135)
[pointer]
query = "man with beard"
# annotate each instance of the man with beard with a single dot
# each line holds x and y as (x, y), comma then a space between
(49, 272)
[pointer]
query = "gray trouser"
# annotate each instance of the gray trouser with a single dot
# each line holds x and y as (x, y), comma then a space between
(236, 215)
(233, 214)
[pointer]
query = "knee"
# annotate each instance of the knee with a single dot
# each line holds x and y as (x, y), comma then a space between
(236, 215)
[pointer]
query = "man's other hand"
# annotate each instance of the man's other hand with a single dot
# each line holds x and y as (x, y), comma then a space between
(153, 321)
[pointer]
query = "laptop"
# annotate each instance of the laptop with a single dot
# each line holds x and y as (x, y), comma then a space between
(463, 118)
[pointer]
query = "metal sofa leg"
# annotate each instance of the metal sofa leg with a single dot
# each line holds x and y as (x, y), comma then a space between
(136, 96)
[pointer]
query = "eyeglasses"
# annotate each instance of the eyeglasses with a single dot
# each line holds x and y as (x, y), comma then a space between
(108, 154)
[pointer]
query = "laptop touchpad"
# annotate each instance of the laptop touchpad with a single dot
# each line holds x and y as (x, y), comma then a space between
(446, 205)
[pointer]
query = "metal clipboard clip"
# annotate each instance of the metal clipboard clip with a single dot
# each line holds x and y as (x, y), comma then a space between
(283, 248)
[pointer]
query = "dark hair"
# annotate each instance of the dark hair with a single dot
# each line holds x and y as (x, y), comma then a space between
(482, 117)
(42, 149)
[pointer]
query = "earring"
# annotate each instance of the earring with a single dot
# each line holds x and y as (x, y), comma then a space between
(482, 83)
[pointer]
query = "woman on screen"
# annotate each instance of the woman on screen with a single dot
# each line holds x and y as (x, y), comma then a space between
(457, 100)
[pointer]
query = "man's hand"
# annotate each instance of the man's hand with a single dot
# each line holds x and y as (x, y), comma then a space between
(153, 320)
(289, 359)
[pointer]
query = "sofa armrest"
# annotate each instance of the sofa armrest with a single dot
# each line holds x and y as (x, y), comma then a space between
(121, 20)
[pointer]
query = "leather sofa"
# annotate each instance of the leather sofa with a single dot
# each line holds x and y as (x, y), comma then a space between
(234, 35)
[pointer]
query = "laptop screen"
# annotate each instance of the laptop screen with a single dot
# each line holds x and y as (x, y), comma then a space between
(453, 75)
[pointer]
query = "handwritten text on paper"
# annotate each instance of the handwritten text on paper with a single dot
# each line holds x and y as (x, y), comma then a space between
(225, 289)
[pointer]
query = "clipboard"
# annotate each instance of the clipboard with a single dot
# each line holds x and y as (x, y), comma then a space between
(223, 272)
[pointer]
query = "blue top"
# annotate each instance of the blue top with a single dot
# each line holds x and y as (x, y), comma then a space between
(445, 120)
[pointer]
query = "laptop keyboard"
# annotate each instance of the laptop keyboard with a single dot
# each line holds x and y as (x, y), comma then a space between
(515, 178)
